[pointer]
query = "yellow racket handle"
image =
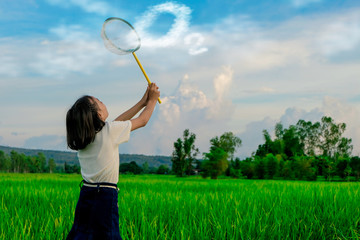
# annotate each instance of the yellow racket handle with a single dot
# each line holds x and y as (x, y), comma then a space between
(142, 69)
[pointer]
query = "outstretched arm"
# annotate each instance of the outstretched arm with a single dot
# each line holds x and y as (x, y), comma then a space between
(130, 113)
(145, 115)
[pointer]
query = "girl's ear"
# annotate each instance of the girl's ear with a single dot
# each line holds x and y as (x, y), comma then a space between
(100, 116)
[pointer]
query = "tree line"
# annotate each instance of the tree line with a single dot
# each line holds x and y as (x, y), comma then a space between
(303, 151)
(20, 163)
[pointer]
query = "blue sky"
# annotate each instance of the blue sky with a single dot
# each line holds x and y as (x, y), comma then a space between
(236, 65)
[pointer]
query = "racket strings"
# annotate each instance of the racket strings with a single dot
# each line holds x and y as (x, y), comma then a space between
(119, 36)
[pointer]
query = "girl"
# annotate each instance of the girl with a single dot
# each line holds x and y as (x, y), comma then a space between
(97, 142)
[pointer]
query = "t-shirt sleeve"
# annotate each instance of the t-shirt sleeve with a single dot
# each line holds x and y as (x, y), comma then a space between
(120, 131)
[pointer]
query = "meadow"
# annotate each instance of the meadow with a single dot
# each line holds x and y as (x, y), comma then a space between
(41, 206)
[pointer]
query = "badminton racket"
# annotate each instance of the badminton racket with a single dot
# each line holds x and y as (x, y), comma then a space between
(120, 37)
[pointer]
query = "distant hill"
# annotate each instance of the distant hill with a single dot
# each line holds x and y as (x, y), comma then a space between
(61, 157)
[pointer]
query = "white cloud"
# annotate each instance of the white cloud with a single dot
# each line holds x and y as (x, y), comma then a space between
(176, 31)
(222, 82)
(288, 58)
(188, 108)
(342, 33)
(90, 6)
(241, 42)
(294, 114)
(298, 42)
(58, 58)
(70, 33)
(195, 41)
(74, 51)
(9, 64)
(222, 106)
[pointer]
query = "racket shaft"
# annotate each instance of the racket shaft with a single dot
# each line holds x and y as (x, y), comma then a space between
(142, 69)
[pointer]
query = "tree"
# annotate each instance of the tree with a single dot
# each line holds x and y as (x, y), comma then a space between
(68, 168)
(52, 165)
(319, 162)
(279, 130)
(163, 169)
(215, 163)
(198, 164)
(287, 143)
(304, 169)
(76, 169)
(275, 147)
(309, 134)
(271, 166)
(235, 173)
(228, 142)
(324, 138)
(267, 147)
(331, 142)
(131, 167)
(355, 166)
(178, 158)
(330, 168)
(260, 168)
(40, 162)
(292, 144)
(32, 164)
(222, 148)
(234, 169)
(184, 154)
(344, 147)
(287, 170)
(347, 172)
(248, 168)
(152, 170)
(341, 165)
(18, 162)
(145, 167)
(5, 162)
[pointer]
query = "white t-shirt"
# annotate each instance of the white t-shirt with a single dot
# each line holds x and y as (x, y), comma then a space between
(99, 161)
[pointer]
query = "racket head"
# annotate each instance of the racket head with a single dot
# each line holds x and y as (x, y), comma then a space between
(119, 36)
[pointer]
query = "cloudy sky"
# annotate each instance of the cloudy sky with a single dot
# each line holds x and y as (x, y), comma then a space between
(222, 65)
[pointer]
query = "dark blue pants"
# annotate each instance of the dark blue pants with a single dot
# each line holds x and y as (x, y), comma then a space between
(96, 215)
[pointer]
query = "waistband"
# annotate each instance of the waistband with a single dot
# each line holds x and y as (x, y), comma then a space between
(99, 185)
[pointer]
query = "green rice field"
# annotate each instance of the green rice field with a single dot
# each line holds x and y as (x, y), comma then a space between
(41, 206)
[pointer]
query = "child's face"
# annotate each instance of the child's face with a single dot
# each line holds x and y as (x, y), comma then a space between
(102, 111)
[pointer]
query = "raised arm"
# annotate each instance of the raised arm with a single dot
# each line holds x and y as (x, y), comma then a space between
(130, 113)
(145, 115)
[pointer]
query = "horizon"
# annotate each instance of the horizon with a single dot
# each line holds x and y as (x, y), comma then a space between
(72, 151)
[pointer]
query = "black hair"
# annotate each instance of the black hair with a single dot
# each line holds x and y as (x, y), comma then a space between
(82, 123)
